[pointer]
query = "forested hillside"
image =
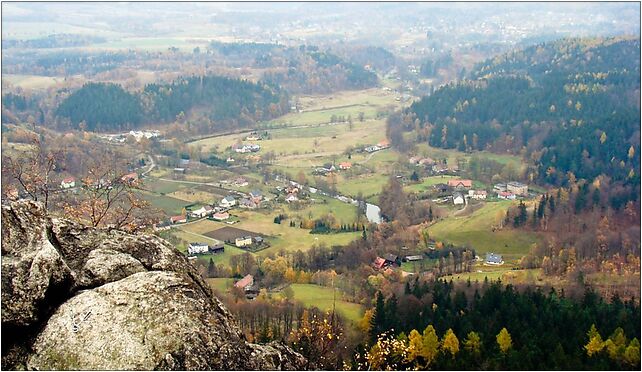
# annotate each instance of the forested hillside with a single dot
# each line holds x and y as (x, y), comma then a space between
(573, 105)
(102, 106)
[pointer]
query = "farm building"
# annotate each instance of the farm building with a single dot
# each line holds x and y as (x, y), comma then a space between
(494, 259)
(217, 248)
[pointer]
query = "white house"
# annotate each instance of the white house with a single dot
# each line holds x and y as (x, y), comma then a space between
(506, 195)
(244, 241)
(227, 202)
(517, 188)
(477, 194)
(458, 199)
(198, 248)
(291, 198)
(67, 183)
(203, 211)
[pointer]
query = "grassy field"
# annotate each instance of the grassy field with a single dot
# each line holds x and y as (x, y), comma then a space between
(280, 236)
(167, 204)
(476, 230)
(32, 81)
(322, 298)
(220, 284)
(427, 183)
(327, 139)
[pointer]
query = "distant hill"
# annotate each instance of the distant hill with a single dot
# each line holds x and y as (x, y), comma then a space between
(102, 106)
(572, 104)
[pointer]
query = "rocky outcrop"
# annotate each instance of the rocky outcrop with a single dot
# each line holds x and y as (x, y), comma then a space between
(75, 297)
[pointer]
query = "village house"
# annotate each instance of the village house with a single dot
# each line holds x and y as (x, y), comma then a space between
(227, 202)
(477, 194)
(130, 177)
(494, 259)
(383, 144)
(440, 187)
(499, 187)
(506, 195)
(414, 160)
(203, 212)
(253, 137)
(197, 248)
(179, 171)
(379, 263)
(291, 198)
(345, 165)
(426, 162)
(241, 182)
(440, 168)
(256, 196)
(517, 188)
(246, 283)
(247, 203)
(67, 183)
(372, 148)
(220, 216)
(458, 199)
(392, 259)
(243, 241)
(161, 226)
(178, 219)
(460, 184)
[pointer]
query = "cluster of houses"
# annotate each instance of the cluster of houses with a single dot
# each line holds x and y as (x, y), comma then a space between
(137, 134)
(379, 146)
(510, 190)
(462, 190)
(242, 149)
(194, 249)
(328, 168)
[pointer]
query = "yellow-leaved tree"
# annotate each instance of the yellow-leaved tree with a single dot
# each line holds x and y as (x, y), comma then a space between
(504, 340)
(595, 344)
(472, 343)
(430, 345)
(450, 343)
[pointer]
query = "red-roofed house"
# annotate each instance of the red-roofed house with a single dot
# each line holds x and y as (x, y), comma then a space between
(67, 183)
(246, 283)
(506, 195)
(384, 144)
(460, 184)
(345, 165)
(178, 219)
(379, 263)
(131, 177)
